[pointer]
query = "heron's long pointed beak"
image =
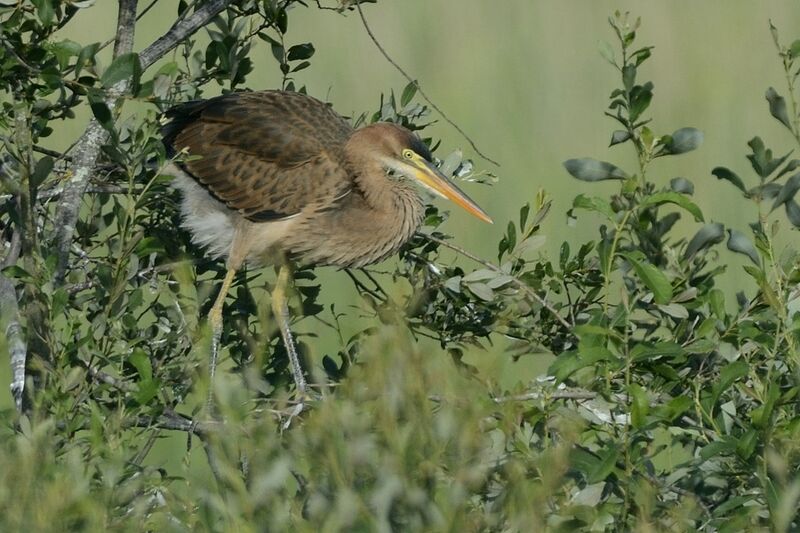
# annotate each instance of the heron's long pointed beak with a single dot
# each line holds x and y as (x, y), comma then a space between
(427, 174)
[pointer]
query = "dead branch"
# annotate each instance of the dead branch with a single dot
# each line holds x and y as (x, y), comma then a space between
(10, 324)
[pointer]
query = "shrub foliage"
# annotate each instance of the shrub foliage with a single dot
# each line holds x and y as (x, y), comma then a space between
(670, 404)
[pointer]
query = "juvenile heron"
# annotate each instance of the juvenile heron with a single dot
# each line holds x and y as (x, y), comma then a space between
(273, 176)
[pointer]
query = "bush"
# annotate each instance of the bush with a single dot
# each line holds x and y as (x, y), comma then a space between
(670, 404)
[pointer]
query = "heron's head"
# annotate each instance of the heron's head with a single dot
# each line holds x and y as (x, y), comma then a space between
(401, 151)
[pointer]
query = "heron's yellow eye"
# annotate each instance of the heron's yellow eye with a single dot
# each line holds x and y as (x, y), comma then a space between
(408, 154)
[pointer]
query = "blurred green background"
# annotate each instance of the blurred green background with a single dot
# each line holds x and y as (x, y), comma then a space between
(526, 81)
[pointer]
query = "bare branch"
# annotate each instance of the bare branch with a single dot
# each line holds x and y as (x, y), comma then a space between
(181, 30)
(10, 324)
(37, 148)
(126, 23)
(55, 192)
(88, 149)
(108, 379)
(550, 395)
(87, 152)
(519, 284)
(17, 349)
(419, 88)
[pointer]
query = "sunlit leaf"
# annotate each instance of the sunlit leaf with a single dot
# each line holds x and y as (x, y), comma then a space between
(588, 169)
(739, 243)
(787, 192)
(682, 141)
(674, 198)
(777, 107)
(652, 277)
(681, 185)
(706, 236)
(728, 175)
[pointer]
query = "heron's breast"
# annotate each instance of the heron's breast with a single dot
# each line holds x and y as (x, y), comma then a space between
(352, 234)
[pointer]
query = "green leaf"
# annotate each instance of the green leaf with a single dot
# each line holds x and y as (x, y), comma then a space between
(408, 93)
(681, 185)
(724, 446)
(511, 234)
(594, 203)
(141, 362)
(727, 377)
(16, 272)
(85, 57)
(607, 52)
(761, 415)
(300, 51)
(619, 136)
(587, 169)
(605, 464)
(301, 66)
(652, 277)
(794, 49)
(64, 50)
(790, 166)
(45, 11)
(674, 198)
(787, 192)
(43, 168)
(777, 107)
(723, 173)
(99, 108)
(645, 352)
(641, 55)
(640, 100)
(747, 444)
(739, 243)
(706, 236)
(793, 212)
(628, 76)
(640, 405)
(682, 141)
(481, 290)
(124, 68)
(674, 408)
(761, 159)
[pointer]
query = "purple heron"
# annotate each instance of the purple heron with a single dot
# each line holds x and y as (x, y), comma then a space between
(273, 176)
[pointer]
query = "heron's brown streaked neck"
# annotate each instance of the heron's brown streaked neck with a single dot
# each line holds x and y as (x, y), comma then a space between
(369, 172)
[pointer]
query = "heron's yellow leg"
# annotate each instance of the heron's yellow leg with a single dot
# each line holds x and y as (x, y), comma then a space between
(280, 309)
(215, 320)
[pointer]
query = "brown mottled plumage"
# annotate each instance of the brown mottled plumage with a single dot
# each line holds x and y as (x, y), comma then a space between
(271, 174)
(288, 160)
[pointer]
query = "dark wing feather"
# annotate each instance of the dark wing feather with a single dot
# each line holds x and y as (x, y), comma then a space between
(266, 154)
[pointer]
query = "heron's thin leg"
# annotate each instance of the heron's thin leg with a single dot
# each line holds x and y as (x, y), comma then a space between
(215, 319)
(280, 309)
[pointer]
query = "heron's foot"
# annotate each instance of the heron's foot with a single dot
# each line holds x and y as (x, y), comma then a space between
(302, 401)
(215, 321)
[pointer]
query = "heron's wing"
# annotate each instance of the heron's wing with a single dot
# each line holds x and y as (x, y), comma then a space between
(266, 154)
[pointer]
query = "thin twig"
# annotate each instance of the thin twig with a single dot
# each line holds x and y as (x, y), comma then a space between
(525, 288)
(418, 87)
(108, 379)
(39, 149)
(55, 192)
